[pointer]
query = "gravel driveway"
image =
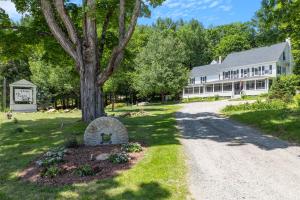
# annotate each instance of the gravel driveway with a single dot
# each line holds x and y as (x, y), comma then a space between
(231, 161)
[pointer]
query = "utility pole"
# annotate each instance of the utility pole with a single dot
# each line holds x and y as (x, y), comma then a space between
(4, 95)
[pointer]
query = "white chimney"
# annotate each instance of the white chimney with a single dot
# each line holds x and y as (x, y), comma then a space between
(220, 59)
(288, 40)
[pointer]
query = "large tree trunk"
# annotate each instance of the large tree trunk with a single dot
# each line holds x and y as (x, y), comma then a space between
(91, 95)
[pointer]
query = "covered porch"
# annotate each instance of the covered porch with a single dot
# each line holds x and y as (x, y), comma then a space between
(229, 88)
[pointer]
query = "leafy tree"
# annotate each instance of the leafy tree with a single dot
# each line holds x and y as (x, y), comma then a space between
(159, 66)
(232, 43)
(194, 36)
(284, 87)
(281, 17)
(81, 43)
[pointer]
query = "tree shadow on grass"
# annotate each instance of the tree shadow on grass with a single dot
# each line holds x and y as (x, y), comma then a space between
(19, 149)
(210, 126)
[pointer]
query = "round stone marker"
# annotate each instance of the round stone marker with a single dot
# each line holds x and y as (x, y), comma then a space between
(105, 130)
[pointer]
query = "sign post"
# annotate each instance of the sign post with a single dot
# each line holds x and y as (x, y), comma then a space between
(4, 95)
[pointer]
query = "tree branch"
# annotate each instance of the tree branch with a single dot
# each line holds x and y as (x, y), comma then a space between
(60, 7)
(104, 31)
(122, 28)
(56, 30)
(117, 53)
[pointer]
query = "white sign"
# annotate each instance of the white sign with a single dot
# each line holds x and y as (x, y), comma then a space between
(23, 95)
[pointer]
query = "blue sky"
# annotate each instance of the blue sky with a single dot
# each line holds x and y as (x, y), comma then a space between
(209, 12)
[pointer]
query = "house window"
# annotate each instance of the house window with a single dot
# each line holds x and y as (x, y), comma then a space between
(209, 88)
(250, 85)
(188, 90)
(203, 79)
(278, 69)
(217, 87)
(242, 73)
(201, 90)
(283, 56)
(252, 71)
(270, 69)
(192, 81)
(263, 70)
(196, 90)
(260, 84)
(226, 75)
(227, 87)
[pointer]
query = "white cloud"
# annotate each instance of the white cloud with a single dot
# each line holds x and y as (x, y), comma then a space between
(10, 9)
(214, 4)
(225, 8)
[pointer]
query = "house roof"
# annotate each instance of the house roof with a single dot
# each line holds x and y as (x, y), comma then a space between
(248, 57)
(256, 55)
(23, 83)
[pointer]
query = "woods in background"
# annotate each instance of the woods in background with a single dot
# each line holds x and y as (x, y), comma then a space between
(156, 60)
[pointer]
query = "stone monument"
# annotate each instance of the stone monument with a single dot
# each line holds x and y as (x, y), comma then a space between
(23, 96)
(105, 130)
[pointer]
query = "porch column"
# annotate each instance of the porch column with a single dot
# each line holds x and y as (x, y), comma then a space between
(232, 89)
(11, 91)
(34, 95)
(222, 87)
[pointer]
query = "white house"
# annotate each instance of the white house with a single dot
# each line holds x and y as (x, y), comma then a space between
(249, 72)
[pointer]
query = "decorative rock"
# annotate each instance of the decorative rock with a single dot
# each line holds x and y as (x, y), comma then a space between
(103, 156)
(105, 130)
(51, 110)
(143, 103)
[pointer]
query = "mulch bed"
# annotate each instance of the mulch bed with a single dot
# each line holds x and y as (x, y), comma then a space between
(77, 157)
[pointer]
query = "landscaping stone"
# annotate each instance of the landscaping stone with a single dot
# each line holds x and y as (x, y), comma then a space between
(51, 110)
(143, 103)
(103, 156)
(105, 130)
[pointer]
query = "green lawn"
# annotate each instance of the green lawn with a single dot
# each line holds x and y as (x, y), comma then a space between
(282, 123)
(160, 175)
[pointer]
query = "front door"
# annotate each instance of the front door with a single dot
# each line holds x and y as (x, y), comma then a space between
(237, 88)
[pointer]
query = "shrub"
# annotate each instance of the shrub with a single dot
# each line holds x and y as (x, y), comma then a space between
(117, 105)
(85, 170)
(284, 88)
(71, 142)
(297, 99)
(15, 120)
(216, 97)
(259, 105)
(132, 147)
(119, 158)
(53, 156)
(51, 172)
(243, 95)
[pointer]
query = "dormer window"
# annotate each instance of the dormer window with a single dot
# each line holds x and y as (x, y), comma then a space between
(192, 81)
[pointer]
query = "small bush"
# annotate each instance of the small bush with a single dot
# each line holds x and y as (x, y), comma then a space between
(284, 88)
(119, 158)
(297, 99)
(15, 120)
(51, 172)
(51, 157)
(259, 105)
(71, 142)
(132, 147)
(216, 97)
(85, 170)
(117, 105)
(243, 95)
(19, 130)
